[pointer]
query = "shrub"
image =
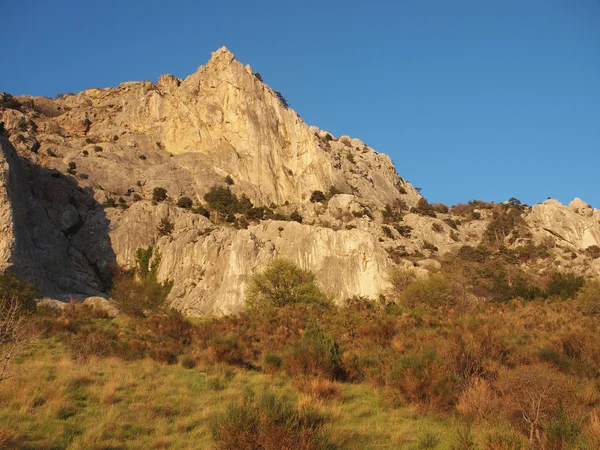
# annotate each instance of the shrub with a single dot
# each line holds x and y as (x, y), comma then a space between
(99, 343)
(282, 100)
(283, 283)
(165, 227)
(139, 293)
(387, 231)
(159, 194)
(226, 349)
(229, 180)
(400, 279)
(593, 251)
(185, 202)
(404, 230)
(588, 298)
(188, 362)
(437, 227)
(317, 197)
(201, 210)
(295, 216)
(255, 213)
(424, 208)
(222, 200)
(13, 288)
(142, 157)
(451, 223)
(72, 167)
(97, 148)
(478, 401)
(8, 101)
(434, 291)
(422, 379)
(315, 354)
(269, 423)
(137, 197)
(271, 362)
(564, 285)
(85, 153)
(533, 396)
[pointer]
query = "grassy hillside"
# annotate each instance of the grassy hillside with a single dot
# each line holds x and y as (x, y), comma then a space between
(437, 367)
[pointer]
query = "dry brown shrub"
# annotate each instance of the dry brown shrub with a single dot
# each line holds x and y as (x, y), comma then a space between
(319, 388)
(532, 395)
(478, 401)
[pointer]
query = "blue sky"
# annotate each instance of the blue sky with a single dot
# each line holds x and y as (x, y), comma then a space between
(470, 98)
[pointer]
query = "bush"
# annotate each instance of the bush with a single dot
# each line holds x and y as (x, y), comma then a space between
(222, 200)
(434, 291)
(255, 213)
(159, 194)
(593, 251)
(422, 379)
(229, 180)
(14, 289)
(139, 293)
(295, 216)
(8, 101)
(201, 210)
(535, 395)
(165, 227)
(269, 423)
(588, 298)
(564, 286)
(283, 283)
(99, 343)
(185, 202)
(315, 354)
(387, 231)
(423, 208)
(317, 197)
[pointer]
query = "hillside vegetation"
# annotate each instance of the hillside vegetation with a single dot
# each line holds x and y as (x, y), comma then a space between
(429, 365)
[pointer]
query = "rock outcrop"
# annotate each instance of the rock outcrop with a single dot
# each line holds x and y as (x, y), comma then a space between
(577, 225)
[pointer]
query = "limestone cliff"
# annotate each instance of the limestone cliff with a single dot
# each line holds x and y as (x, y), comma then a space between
(77, 175)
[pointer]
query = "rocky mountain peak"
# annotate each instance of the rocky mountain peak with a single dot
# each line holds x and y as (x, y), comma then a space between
(79, 176)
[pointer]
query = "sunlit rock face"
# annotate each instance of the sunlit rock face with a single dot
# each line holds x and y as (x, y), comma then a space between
(77, 175)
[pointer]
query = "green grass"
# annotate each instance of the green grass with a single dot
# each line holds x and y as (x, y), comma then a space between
(57, 403)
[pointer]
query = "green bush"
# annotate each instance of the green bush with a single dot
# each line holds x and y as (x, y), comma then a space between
(159, 194)
(8, 101)
(295, 216)
(315, 354)
(283, 283)
(222, 200)
(317, 197)
(434, 291)
(138, 293)
(165, 227)
(13, 288)
(588, 298)
(564, 285)
(185, 202)
(423, 208)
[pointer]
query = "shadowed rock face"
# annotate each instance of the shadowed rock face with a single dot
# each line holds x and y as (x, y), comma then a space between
(65, 158)
(53, 232)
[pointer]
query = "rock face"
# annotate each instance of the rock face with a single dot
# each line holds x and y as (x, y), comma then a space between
(77, 176)
(577, 225)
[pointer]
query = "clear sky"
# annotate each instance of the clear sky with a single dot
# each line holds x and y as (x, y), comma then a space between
(471, 98)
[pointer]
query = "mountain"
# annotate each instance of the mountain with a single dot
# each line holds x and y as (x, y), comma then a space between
(83, 178)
